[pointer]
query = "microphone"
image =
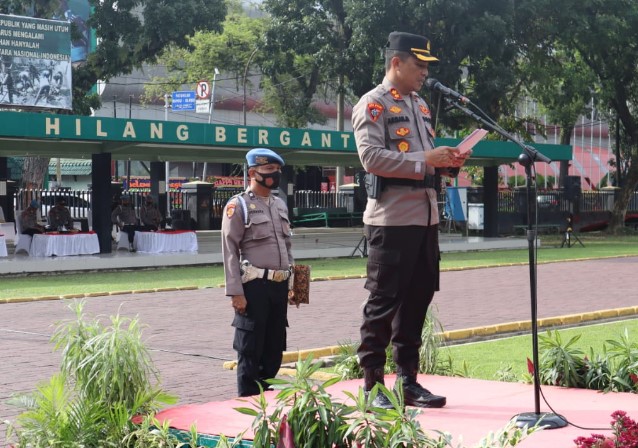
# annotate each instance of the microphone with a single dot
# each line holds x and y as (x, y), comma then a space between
(434, 84)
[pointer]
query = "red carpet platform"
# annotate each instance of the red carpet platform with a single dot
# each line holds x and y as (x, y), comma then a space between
(475, 408)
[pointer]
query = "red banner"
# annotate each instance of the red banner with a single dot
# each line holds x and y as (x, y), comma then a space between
(144, 183)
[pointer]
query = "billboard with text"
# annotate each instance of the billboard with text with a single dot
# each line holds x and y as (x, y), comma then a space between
(35, 63)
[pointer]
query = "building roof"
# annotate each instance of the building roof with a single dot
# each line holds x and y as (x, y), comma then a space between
(70, 167)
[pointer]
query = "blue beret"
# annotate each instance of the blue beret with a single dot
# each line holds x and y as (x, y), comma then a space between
(34, 204)
(263, 156)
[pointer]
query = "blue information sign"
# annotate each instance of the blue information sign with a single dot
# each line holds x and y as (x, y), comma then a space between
(183, 100)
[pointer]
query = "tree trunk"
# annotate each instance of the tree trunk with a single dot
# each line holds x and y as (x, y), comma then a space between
(617, 222)
(34, 171)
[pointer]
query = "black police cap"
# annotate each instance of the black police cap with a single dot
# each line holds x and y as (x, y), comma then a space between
(418, 46)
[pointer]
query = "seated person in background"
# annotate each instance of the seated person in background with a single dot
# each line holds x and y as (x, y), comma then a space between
(150, 215)
(125, 219)
(60, 216)
(29, 219)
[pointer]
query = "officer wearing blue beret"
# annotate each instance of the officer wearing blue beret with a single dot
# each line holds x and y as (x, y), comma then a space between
(263, 156)
(395, 140)
(257, 266)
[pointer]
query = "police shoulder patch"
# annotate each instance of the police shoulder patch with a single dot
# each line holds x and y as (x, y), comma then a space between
(230, 209)
(375, 109)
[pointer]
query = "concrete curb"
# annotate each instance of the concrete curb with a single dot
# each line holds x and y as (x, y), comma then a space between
(469, 333)
(94, 294)
(313, 279)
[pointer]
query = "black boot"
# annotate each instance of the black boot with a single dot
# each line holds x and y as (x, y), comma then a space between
(416, 395)
(370, 378)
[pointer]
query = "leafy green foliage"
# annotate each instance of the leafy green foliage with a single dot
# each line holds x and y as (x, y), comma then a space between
(561, 363)
(55, 414)
(593, 44)
(106, 378)
(110, 364)
(229, 51)
(430, 359)
(306, 415)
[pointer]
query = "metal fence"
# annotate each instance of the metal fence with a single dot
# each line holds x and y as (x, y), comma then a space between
(558, 200)
(509, 201)
(321, 199)
(78, 201)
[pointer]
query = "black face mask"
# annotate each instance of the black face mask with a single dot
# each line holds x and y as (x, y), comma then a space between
(276, 178)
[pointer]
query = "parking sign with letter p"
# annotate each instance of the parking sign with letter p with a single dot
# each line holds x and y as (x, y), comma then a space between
(203, 90)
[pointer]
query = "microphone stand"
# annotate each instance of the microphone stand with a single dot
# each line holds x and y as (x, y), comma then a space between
(528, 156)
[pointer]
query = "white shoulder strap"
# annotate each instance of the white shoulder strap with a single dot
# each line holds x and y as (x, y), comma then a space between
(244, 210)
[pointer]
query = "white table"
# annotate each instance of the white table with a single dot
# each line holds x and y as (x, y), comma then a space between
(166, 241)
(8, 230)
(3, 247)
(49, 244)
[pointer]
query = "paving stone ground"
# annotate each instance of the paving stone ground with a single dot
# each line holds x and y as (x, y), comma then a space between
(191, 337)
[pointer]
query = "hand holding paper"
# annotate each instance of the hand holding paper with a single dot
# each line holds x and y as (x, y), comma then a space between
(468, 142)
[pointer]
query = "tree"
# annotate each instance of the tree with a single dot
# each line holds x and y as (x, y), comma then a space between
(605, 35)
(132, 33)
(304, 43)
(228, 51)
(323, 40)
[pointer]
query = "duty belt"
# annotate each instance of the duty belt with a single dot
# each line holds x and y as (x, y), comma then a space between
(428, 182)
(250, 272)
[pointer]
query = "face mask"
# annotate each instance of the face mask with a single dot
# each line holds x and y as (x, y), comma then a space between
(276, 178)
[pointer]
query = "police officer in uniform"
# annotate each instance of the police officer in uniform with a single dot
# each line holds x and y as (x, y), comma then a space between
(257, 265)
(395, 140)
(60, 216)
(125, 218)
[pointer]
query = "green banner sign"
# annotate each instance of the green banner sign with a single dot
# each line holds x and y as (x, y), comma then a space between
(70, 127)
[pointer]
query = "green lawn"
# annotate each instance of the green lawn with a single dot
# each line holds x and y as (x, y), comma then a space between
(486, 358)
(212, 276)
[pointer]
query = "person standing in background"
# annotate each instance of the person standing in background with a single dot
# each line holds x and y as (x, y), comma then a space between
(258, 264)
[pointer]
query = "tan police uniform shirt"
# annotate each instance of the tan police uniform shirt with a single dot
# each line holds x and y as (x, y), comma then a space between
(265, 242)
(391, 138)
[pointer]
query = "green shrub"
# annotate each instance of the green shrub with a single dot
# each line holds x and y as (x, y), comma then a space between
(305, 415)
(106, 378)
(560, 363)
(430, 359)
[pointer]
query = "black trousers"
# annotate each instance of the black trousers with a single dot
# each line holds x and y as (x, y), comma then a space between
(403, 274)
(130, 229)
(260, 334)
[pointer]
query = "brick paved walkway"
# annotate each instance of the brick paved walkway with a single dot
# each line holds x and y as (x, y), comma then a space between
(191, 335)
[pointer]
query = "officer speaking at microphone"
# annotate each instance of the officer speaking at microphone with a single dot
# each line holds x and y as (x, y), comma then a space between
(395, 141)
(257, 265)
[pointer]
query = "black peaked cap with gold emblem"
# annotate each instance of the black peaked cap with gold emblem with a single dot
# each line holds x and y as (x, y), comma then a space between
(418, 46)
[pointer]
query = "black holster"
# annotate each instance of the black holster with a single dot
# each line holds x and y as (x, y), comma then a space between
(374, 185)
